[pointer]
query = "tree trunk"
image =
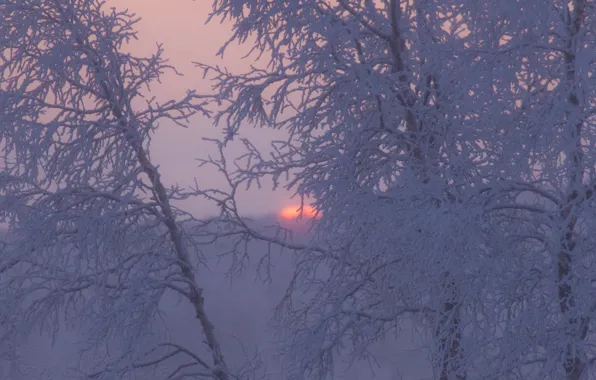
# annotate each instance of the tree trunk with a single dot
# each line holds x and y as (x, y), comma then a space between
(574, 361)
(449, 334)
(576, 328)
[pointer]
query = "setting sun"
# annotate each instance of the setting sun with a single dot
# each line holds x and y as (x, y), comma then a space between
(293, 212)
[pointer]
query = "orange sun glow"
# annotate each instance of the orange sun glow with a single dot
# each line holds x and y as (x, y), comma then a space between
(293, 212)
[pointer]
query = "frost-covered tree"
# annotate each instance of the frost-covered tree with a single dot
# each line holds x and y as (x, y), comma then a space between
(540, 69)
(383, 137)
(95, 239)
(448, 146)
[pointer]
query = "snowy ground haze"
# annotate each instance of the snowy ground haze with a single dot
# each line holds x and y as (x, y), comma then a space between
(243, 307)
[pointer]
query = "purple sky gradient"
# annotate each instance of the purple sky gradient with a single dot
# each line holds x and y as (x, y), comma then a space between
(180, 26)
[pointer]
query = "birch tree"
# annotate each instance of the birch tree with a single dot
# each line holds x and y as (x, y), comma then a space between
(547, 101)
(381, 136)
(95, 237)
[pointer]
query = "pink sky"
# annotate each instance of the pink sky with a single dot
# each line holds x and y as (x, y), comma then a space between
(180, 26)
